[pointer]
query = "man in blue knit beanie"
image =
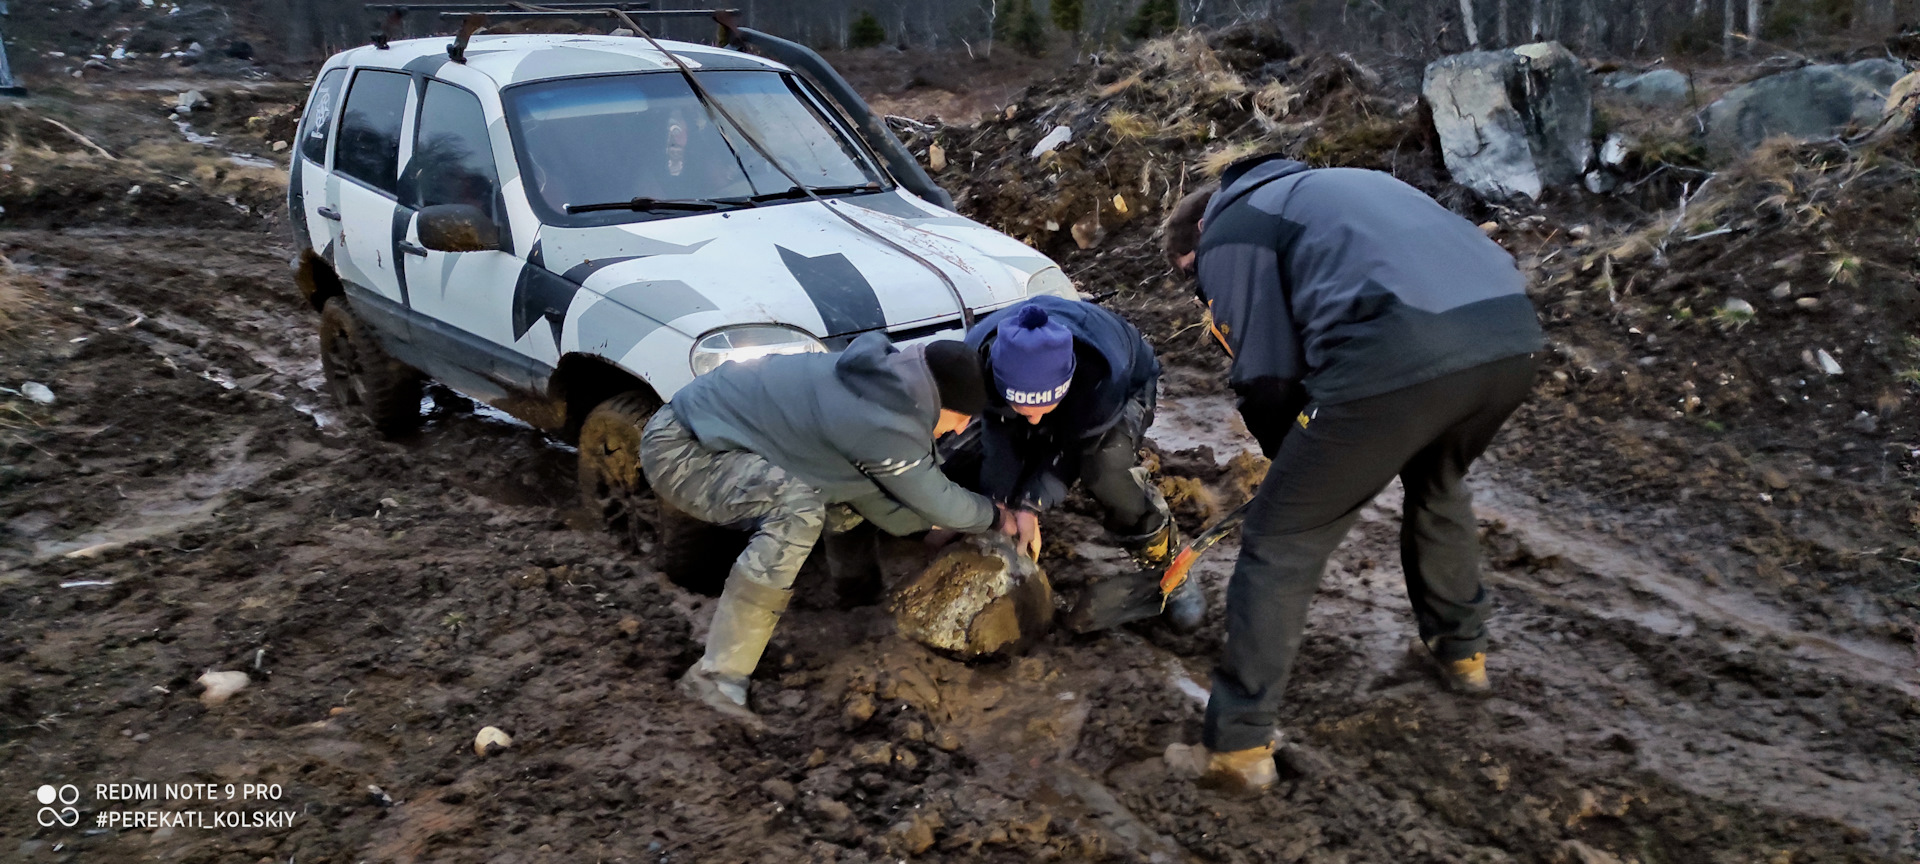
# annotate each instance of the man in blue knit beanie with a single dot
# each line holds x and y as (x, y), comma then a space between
(1074, 387)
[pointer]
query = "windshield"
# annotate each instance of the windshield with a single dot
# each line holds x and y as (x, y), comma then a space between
(645, 135)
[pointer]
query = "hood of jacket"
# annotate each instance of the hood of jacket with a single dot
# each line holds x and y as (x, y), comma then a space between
(1246, 175)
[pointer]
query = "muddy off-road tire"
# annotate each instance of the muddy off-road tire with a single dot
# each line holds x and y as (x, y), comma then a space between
(612, 486)
(694, 554)
(362, 376)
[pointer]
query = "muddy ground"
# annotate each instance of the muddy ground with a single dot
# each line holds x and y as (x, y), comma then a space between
(1671, 688)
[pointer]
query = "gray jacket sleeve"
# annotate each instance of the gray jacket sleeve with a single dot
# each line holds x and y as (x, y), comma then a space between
(920, 498)
(914, 495)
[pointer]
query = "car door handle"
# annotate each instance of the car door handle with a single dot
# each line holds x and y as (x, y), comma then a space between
(412, 248)
(329, 213)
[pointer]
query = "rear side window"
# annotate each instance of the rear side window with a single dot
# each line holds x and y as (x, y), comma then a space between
(319, 123)
(452, 154)
(369, 149)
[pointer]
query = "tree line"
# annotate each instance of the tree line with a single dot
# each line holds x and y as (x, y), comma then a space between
(1412, 29)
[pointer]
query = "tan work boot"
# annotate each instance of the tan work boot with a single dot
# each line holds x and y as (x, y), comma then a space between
(1468, 675)
(1248, 772)
(743, 621)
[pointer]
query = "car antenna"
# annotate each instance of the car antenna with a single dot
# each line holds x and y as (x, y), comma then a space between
(714, 106)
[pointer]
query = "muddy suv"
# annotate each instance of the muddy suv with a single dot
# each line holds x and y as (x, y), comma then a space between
(562, 227)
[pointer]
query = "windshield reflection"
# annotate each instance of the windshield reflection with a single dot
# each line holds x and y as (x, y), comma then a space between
(615, 138)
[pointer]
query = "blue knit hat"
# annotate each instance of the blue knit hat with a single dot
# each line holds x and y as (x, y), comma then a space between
(1032, 359)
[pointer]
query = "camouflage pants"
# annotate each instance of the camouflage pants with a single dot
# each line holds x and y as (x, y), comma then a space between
(735, 487)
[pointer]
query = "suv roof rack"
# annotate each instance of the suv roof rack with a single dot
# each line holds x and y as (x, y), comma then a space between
(476, 16)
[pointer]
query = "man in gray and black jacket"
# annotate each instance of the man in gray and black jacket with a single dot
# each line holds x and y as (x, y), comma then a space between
(1374, 334)
(774, 442)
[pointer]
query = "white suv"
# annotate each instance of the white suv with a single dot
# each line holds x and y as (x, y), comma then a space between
(560, 226)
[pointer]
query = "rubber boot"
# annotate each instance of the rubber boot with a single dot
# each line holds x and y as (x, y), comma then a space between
(743, 621)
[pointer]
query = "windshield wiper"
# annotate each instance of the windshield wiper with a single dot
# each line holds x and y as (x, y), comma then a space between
(798, 192)
(643, 205)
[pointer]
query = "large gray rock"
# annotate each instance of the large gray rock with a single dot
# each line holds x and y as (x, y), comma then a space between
(1654, 87)
(1512, 122)
(1809, 102)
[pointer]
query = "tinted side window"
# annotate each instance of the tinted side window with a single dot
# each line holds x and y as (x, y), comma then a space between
(369, 148)
(452, 153)
(319, 123)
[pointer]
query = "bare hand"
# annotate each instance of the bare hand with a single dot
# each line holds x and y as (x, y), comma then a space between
(1027, 524)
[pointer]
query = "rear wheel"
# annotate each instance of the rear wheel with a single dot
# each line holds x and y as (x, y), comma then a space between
(362, 376)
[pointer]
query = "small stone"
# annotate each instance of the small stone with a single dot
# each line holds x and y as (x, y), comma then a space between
(905, 759)
(1782, 291)
(1738, 306)
(1185, 761)
(859, 709)
(829, 810)
(945, 739)
(1808, 302)
(279, 146)
(1826, 361)
(491, 740)
(1865, 422)
(220, 686)
(629, 627)
(817, 758)
(1773, 477)
(779, 790)
(936, 158)
(914, 836)
(1579, 232)
(37, 392)
(871, 753)
(914, 731)
(1490, 228)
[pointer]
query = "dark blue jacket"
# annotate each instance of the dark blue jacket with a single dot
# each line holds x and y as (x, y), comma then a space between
(1336, 284)
(1033, 464)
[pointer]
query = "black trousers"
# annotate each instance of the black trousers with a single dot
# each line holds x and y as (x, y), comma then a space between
(1325, 470)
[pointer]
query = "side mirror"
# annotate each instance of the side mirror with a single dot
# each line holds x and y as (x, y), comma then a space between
(457, 228)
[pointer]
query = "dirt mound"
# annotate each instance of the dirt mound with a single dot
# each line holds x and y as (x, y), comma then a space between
(1732, 341)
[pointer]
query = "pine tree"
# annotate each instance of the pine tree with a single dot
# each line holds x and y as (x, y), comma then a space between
(1027, 33)
(1154, 18)
(866, 32)
(1068, 15)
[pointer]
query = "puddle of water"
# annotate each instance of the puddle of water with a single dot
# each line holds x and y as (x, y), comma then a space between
(1884, 664)
(1186, 422)
(168, 509)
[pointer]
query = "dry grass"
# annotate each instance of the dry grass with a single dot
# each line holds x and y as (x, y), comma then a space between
(18, 295)
(1217, 161)
(1129, 125)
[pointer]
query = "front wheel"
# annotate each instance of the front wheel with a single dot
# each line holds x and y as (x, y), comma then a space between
(612, 486)
(362, 376)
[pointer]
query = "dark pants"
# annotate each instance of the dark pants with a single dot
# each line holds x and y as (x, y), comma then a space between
(1324, 472)
(1105, 464)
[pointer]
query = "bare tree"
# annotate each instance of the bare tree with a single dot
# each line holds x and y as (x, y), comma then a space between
(1467, 24)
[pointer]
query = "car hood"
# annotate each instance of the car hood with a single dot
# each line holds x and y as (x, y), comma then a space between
(794, 264)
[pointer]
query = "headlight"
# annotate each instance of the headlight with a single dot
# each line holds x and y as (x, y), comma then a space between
(1050, 281)
(752, 342)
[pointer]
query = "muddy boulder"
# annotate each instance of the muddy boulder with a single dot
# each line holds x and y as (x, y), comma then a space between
(1512, 122)
(1808, 102)
(979, 598)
